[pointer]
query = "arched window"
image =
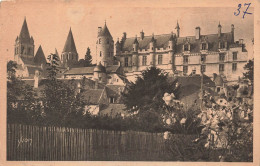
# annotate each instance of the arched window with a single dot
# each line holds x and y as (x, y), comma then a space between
(99, 41)
(100, 54)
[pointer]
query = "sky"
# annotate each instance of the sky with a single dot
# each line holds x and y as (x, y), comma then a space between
(49, 23)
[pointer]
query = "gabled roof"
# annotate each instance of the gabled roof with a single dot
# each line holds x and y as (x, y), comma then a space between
(92, 96)
(39, 57)
(104, 32)
(161, 41)
(24, 34)
(112, 69)
(70, 44)
(80, 70)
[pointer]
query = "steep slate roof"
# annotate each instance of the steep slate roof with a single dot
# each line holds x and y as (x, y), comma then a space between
(70, 44)
(211, 39)
(24, 34)
(80, 70)
(39, 57)
(112, 69)
(92, 96)
(27, 61)
(161, 41)
(104, 32)
(195, 80)
(114, 91)
(32, 69)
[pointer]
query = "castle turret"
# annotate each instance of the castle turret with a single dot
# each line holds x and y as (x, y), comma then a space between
(104, 47)
(152, 51)
(171, 48)
(135, 55)
(69, 54)
(100, 73)
(117, 47)
(177, 29)
(24, 45)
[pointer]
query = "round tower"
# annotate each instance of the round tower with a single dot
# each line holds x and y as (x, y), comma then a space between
(104, 47)
(135, 55)
(152, 51)
(100, 73)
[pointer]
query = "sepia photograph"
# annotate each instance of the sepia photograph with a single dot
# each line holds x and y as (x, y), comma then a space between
(89, 81)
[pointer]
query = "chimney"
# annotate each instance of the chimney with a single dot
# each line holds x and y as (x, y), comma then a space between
(241, 41)
(99, 29)
(142, 35)
(197, 32)
(124, 36)
(36, 79)
(233, 33)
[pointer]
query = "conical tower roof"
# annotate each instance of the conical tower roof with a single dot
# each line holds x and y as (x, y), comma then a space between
(57, 54)
(39, 57)
(177, 26)
(24, 34)
(70, 44)
(105, 31)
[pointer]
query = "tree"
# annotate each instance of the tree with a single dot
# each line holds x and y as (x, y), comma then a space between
(88, 58)
(249, 74)
(146, 93)
(22, 104)
(60, 98)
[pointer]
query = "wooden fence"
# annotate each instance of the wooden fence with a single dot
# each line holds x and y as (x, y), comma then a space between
(33, 143)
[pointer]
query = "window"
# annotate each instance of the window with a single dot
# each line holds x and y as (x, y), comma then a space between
(100, 54)
(144, 60)
(185, 59)
(204, 46)
(218, 89)
(221, 45)
(160, 59)
(22, 50)
(99, 41)
(112, 100)
(203, 58)
(185, 69)
(234, 56)
(234, 66)
(221, 67)
(221, 57)
(203, 68)
(107, 41)
(126, 62)
(186, 47)
(29, 50)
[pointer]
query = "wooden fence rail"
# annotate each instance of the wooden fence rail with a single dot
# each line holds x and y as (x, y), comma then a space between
(33, 143)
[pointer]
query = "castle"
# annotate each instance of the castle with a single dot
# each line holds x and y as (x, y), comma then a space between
(125, 60)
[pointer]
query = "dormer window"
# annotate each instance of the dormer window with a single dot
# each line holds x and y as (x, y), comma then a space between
(203, 46)
(186, 47)
(221, 45)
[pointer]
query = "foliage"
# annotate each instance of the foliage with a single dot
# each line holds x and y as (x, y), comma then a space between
(249, 67)
(60, 99)
(226, 131)
(145, 94)
(85, 62)
(22, 104)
